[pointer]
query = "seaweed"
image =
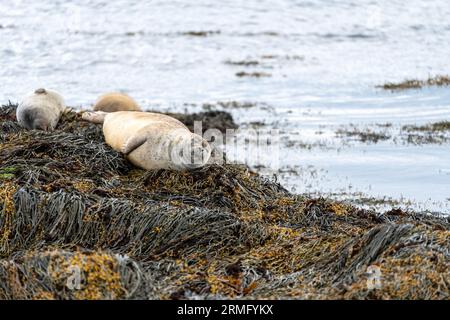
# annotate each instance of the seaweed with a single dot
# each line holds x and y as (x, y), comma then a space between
(245, 63)
(242, 74)
(200, 33)
(432, 133)
(441, 126)
(364, 136)
(438, 81)
(215, 119)
(78, 221)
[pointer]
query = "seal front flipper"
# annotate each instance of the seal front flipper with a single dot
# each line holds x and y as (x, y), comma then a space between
(133, 143)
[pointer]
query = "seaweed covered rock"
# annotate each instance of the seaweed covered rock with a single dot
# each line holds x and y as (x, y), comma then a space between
(77, 221)
(61, 274)
(213, 119)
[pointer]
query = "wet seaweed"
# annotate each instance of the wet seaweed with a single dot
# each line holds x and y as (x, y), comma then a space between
(365, 136)
(432, 133)
(281, 57)
(214, 119)
(77, 221)
(244, 63)
(200, 33)
(437, 133)
(441, 126)
(242, 74)
(438, 81)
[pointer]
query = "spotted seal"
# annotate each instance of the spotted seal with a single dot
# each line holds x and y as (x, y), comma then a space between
(41, 110)
(152, 140)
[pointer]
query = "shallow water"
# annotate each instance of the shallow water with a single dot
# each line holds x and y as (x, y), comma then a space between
(324, 59)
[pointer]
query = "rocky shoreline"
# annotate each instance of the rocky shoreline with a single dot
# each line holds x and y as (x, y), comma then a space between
(69, 205)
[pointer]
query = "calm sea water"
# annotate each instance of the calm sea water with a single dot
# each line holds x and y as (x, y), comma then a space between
(324, 59)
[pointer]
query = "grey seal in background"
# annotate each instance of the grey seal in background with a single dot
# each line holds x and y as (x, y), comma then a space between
(152, 140)
(113, 102)
(41, 110)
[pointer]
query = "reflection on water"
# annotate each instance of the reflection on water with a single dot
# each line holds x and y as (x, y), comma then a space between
(322, 57)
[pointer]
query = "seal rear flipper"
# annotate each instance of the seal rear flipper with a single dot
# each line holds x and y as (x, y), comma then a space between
(133, 143)
(94, 117)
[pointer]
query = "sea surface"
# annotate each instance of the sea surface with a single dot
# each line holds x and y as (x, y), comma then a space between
(306, 68)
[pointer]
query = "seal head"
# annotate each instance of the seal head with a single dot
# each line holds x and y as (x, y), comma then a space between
(189, 152)
(113, 102)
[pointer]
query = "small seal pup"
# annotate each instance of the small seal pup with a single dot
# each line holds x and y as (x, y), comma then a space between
(113, 102)
(41, 110)
(152, 140)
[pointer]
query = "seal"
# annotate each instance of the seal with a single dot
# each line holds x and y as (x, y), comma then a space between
(41, 110)
(152, 140)
(113, 102)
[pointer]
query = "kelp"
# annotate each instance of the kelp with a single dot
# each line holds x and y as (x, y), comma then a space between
(436, 81)
(78, 221)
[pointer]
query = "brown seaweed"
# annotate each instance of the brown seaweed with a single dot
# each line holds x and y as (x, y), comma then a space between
(77, 221)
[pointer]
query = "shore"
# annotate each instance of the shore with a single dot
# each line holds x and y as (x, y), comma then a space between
(69, 201)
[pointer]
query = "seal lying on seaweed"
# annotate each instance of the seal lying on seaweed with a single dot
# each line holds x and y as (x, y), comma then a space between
(152, 140)
(41, 110)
